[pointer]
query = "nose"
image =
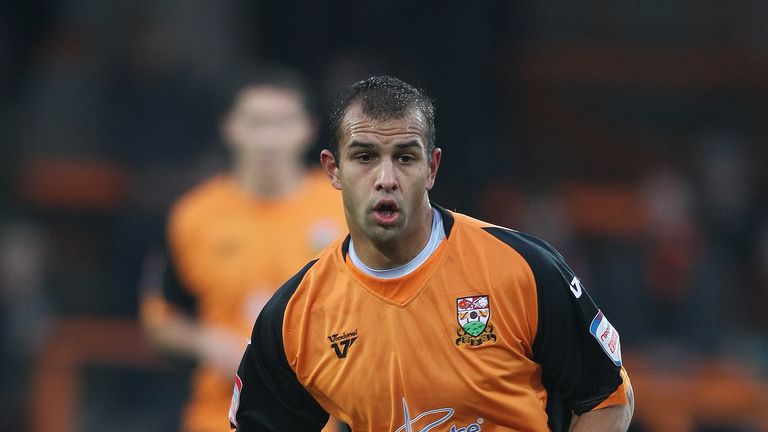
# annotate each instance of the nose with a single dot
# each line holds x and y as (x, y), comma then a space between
(386, 180)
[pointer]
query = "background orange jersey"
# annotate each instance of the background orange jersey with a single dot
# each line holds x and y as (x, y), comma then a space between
(229, 252)
(492, 333)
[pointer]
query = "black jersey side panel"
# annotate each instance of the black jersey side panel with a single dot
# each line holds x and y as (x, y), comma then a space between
(271, 399)
(577, 373)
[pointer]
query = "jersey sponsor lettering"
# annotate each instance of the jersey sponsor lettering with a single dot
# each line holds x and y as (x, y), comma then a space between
(434, 418)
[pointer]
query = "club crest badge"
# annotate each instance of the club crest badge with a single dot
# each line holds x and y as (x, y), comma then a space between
(473, 314)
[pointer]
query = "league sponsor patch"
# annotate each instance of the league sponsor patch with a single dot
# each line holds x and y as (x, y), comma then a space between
(607, 337)
(235, 401)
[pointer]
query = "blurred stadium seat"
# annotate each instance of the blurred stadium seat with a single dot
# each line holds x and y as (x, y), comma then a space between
(716, 393)
(77, 345)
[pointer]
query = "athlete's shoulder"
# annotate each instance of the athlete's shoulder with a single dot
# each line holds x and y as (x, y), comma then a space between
(320, 193)
(329, 256)
(275, 307)
(463, 220)
(316, 177)
(306, 285)
(198, 207)
(328, 260)
(200, 198)
(530, 247)
(316, 182)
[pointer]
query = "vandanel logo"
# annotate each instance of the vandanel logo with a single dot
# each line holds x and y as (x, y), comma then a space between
(340, 342)
(473, 314)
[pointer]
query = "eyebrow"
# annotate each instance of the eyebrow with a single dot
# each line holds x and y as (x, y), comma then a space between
(355, 143)
(400, 146)
(409, 144)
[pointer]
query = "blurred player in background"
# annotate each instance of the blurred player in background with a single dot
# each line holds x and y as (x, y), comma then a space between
(235, 238)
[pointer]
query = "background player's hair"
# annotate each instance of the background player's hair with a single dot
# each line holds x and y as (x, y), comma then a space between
(270, 75)
(381, 98)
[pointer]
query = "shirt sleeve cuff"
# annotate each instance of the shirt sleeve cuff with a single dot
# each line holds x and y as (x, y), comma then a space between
(618, 397)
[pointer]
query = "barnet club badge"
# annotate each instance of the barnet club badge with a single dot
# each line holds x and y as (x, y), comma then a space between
(473, 314)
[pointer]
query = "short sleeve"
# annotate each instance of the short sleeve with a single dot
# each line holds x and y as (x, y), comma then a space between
(267, 396)
(577, 347)
(174, 291)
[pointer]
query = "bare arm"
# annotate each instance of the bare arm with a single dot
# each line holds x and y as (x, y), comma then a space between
(171, 329)
(176, 333)
(614, 418)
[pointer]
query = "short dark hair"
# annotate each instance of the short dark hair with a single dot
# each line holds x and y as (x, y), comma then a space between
(270, 75)
(381, 98)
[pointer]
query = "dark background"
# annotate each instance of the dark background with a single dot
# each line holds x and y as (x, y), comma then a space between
(631, 135)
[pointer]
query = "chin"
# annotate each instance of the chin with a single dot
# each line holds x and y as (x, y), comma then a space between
(384, 235)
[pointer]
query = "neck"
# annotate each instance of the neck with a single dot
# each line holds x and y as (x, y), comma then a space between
(398, 251)
(277, 181)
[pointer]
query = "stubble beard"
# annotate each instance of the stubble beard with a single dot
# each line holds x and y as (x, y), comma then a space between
(383, 237)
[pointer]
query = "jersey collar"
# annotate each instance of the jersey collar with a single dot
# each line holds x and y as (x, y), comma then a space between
(447, 226)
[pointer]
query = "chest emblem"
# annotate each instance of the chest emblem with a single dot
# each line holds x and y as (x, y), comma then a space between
(474, 314)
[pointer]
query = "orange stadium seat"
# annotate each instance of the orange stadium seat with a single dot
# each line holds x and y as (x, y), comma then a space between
(714, 392)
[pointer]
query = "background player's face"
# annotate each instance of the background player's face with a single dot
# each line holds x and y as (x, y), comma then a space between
(384, 174)
(268, 127)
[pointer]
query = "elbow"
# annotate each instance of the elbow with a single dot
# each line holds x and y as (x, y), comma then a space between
(628, 409)
(614, 418)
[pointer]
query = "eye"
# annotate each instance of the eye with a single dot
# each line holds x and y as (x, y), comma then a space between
(364, 157)
(405, 158)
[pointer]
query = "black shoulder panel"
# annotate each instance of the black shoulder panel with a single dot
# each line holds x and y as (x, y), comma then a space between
(578, 374)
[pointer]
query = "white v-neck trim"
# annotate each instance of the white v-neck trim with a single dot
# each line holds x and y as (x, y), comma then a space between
(436, 236)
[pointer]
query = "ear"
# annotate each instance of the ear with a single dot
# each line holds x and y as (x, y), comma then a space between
(331, 168)
(434, 164)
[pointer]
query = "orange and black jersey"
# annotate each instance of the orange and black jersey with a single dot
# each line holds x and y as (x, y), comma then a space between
(492, 333)
(230, 250)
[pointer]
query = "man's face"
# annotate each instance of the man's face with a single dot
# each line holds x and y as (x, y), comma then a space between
(384, 173)
(268, 126)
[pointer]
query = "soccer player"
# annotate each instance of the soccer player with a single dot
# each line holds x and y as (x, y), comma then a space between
(422, 318)
(235, 238)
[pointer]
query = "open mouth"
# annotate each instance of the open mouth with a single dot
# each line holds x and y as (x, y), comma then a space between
(386, 209)
(386, 212)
